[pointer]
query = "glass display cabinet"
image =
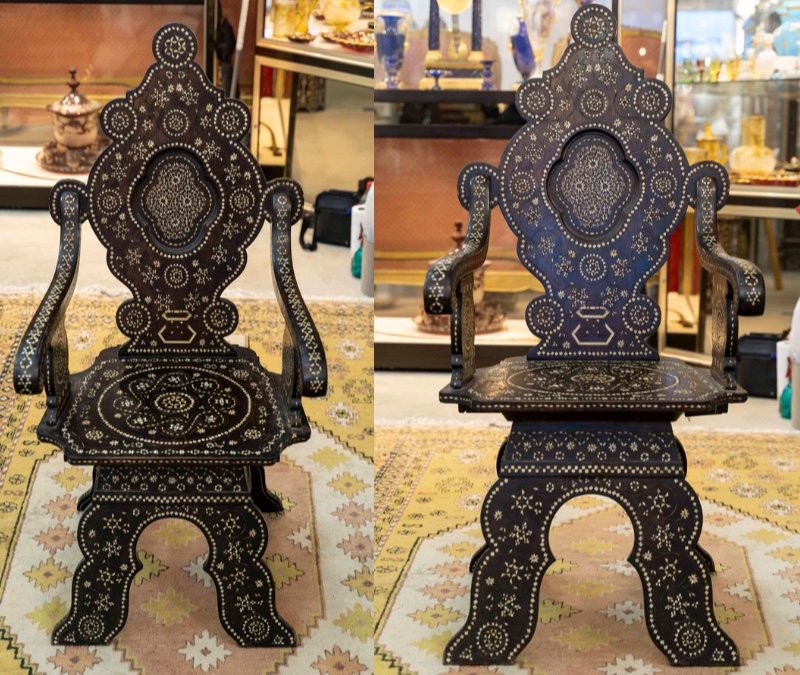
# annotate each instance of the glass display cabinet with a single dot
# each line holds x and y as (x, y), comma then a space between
(105, 49)
(307, 51)
(441, 102)
(737, 82)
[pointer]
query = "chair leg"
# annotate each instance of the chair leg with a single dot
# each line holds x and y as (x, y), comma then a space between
(675, 572)
(264, 498)
(712, 567)
(473, 561)
(237, 540)
(508, 570)
(102, 580)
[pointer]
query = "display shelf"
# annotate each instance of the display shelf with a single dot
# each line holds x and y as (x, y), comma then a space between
(465, 131)
(444, 96)
(320, 57)
(762, 201)
(400, 345)
(788, 88)
(23, 183)
(426, 113)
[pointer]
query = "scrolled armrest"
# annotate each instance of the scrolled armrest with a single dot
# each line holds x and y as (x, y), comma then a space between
(305, 371)
(42, 357)
(445, 274)
(737, 285)
(449, 283)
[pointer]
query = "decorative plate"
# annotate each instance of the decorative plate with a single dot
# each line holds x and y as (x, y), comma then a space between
(361, 39)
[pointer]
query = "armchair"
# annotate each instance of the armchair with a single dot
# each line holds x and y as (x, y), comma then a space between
(176, 421)
(592, 186)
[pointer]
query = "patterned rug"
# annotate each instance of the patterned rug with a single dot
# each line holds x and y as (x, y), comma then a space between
(430, 483)
(319, 552)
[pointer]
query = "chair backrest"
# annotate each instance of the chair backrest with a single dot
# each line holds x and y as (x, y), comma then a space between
(176, 199)
(592, 186)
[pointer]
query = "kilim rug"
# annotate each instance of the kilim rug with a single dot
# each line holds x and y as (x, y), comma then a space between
(319, 551)
(430, 483)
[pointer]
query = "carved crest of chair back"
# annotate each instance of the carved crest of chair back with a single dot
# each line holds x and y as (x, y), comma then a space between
(176, 199)
(592, 186)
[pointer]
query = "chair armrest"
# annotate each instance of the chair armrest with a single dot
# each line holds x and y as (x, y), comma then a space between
(737, 285)
(305, 370)
(42, 357)
(445, 273)
(448, 285)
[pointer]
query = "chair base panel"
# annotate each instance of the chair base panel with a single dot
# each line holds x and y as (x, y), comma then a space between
(664, 511)
(124, 500)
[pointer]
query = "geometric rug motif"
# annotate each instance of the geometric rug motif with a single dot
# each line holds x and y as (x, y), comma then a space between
(429, 490)
(319, 550)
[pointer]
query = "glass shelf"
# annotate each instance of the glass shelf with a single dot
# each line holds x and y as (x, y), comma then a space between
(788, 88)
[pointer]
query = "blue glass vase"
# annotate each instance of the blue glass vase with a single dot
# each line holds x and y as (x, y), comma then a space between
(522, 49)
(390, 41)
(787, 35)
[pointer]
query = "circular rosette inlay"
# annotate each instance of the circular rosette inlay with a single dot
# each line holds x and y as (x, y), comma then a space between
(242, 200)
(641, 315)
(175, 122)
(109, 202)
(592, 267)
(691, 638)
(221, 318)
(176, 275)
(522, 184)
(664, 184)
(534, 100)
(133, 318)
(171, 405)
(493, 639)
(652, 99)
(544, 316)
(593, 25)
(593, 103)
(118, 119)
(232, 119)
(172, 402)
(91, 627)
(174, 45)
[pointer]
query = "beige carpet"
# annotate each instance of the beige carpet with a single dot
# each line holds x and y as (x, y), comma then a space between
(430, 483)
(319, 552)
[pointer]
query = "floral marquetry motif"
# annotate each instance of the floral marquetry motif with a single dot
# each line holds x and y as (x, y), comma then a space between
(519, 384)
(215, 411)
(176, 198)
(591, 186)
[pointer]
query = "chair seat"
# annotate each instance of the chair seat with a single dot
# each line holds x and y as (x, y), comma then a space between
(190, 410)
(519, 384)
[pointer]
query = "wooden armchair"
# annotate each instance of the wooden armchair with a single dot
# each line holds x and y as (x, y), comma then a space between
(177, 422)
(592, 186)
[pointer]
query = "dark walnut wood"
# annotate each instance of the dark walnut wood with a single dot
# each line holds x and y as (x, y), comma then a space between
(592, 186)
(176, 199)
